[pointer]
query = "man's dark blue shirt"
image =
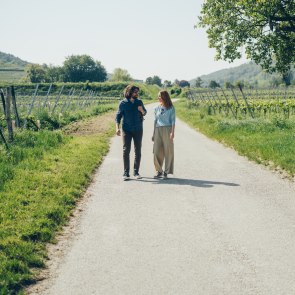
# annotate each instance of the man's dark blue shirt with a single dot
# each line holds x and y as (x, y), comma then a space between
(132, 117)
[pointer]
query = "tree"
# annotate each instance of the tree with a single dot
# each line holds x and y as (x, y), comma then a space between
(54, 74)
(228, 85)
(121, 75)
(287, 78)
(154, 80)
(199, 82)
(157, 80)
(167, 83)
(184, 83)
(176, 82)
(265, 28)
(240, 84)
(35, 73)
(149, 81)
(213, 84)
(82, 68)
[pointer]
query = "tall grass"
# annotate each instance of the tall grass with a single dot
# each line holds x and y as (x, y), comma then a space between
(266, 141)
(47, 173)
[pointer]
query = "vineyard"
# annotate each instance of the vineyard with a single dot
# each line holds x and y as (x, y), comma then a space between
(51, 106)
(259, 124)
(242, 104)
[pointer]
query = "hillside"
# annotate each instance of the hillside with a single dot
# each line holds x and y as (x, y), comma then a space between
(11, 68)
(9, 61)
(248, 72)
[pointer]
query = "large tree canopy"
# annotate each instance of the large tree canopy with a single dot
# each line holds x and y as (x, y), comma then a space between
(121, 75)
(265, 29)
(82, 68)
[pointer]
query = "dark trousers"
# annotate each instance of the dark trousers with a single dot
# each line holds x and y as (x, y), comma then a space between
(137, 139)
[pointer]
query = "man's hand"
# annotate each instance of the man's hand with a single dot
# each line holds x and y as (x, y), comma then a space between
(118, 132)
(171, 135)
(140, 108)
(153, 138)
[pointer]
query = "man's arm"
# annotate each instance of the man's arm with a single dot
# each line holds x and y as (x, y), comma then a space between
(142, 109)
(118, 119)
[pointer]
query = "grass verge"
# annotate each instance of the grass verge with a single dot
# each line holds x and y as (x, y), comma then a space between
(49, 172)
(270, 142)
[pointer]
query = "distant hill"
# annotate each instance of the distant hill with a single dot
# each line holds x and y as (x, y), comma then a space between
(9, 61)
(248, 72)
(11, 68)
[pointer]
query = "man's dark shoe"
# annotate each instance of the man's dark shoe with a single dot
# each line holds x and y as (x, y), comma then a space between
(126, 176)
(158, 175)
(165, 176)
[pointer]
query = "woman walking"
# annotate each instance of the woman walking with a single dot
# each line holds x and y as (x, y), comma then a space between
(164, 127)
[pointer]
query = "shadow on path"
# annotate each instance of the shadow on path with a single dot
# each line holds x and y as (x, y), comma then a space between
(184, 181)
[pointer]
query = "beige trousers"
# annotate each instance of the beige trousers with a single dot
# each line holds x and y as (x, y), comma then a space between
(163, 149)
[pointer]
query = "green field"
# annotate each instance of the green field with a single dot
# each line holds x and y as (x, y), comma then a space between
(11, 76)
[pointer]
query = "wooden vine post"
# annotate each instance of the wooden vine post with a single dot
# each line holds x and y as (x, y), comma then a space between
(8, 114)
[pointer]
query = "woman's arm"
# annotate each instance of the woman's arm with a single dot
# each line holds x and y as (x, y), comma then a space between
(173, 123)
(172, 132)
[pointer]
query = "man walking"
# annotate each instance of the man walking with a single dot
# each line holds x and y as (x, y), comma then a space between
(132, 110)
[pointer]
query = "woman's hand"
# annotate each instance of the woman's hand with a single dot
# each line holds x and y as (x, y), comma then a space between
(118, 132)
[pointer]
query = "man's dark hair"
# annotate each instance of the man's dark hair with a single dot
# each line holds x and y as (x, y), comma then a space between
(129, 90)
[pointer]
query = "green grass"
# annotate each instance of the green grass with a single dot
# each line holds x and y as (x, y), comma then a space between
(48, 172)
(262, 140)
(151, 90)
(11, 76)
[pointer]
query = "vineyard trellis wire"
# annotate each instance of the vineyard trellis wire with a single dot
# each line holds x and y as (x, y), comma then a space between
(254, 103)
(19, 106)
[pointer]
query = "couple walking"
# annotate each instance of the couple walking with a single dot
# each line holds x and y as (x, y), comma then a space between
(132, 111)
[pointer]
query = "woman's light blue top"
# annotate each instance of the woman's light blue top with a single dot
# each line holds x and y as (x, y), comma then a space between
(163, 116)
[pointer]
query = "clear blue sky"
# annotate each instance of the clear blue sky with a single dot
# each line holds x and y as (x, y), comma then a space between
(155, 37)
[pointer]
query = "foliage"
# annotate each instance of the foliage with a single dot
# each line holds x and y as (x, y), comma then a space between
(35, 73)
(228, 85)
(213, 84)
(155, 80)
(176, 82)
(76, 68)
(82, 68)
(184, 83)
(49, 173)
(54, 74)
(175, 91)
(239, 84)
(167, 84)
(265, 28)
(260, 139)
(121, 75)
(287, 77)
(198, 82)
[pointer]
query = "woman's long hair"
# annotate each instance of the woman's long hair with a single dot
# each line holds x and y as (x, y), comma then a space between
(166, 99)
(129, 90)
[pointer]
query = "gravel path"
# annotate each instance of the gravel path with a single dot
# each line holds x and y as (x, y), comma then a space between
(221, 225)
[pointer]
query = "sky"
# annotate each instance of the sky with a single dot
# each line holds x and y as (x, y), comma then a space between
(147, 38)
